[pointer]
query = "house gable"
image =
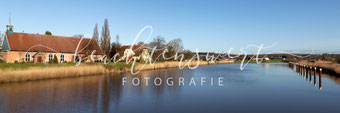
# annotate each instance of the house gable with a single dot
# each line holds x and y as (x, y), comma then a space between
(5, 44)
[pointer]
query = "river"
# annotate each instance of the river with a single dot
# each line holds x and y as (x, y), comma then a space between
(268, 87)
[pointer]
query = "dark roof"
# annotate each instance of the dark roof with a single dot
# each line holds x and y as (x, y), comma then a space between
(36, 42)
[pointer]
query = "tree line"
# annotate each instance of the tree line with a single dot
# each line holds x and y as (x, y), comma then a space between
(110, 49)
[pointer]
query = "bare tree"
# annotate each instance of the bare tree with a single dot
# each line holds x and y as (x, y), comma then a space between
(176, 44)
(115, 47)
(95, 33)
(187, 54)
(140, 43)
(105, 39)
(0, 38)
(1, 58)
(158, 43)
(79, 35)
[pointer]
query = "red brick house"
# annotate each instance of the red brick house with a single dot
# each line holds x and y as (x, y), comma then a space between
(36, 48)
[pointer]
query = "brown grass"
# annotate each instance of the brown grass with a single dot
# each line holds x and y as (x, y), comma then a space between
(324, 64)
(38, 73)
(175, 64)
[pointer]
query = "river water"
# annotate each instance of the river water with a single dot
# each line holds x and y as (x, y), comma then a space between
(271, 87)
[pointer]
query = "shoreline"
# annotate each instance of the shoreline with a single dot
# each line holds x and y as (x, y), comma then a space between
(41, 73)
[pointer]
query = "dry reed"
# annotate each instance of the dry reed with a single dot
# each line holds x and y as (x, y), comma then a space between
(38, 73)
(324, 64)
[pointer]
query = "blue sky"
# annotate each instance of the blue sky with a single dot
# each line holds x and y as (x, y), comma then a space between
(209, 25)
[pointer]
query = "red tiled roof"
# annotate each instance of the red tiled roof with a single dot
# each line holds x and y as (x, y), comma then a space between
(32, 42)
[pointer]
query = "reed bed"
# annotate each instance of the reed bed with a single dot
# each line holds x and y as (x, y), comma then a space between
(38, 73)
(176, 64)
(324, 65)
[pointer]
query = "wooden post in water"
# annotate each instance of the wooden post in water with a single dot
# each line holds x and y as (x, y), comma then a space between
(306, 69)
(314, 76)
(298, 68)
(306, 73)
(310, 74)
(320, 73)
(301, 69)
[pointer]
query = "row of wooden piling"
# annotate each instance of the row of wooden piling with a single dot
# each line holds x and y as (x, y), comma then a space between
(308, 72)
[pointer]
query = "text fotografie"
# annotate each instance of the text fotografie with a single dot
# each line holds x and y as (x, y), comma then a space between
(171, 81)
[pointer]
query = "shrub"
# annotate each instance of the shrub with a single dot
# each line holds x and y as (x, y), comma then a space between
(55, 59)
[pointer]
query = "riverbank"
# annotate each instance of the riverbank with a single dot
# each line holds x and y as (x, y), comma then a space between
(325, 65)
(254, 61)
(39, 72)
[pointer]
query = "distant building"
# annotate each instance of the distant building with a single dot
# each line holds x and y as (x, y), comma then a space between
(35, 48)
(266, 58)
(136, 51)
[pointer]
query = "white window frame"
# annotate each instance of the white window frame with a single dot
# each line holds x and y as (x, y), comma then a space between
(27, 57)
(49, 57)
(62, 58)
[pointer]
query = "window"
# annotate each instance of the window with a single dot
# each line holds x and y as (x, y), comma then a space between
(27, 57)
(62, 58)
(50, 57)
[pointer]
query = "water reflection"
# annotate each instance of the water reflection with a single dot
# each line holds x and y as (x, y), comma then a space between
(100, 93)
(314, 75)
